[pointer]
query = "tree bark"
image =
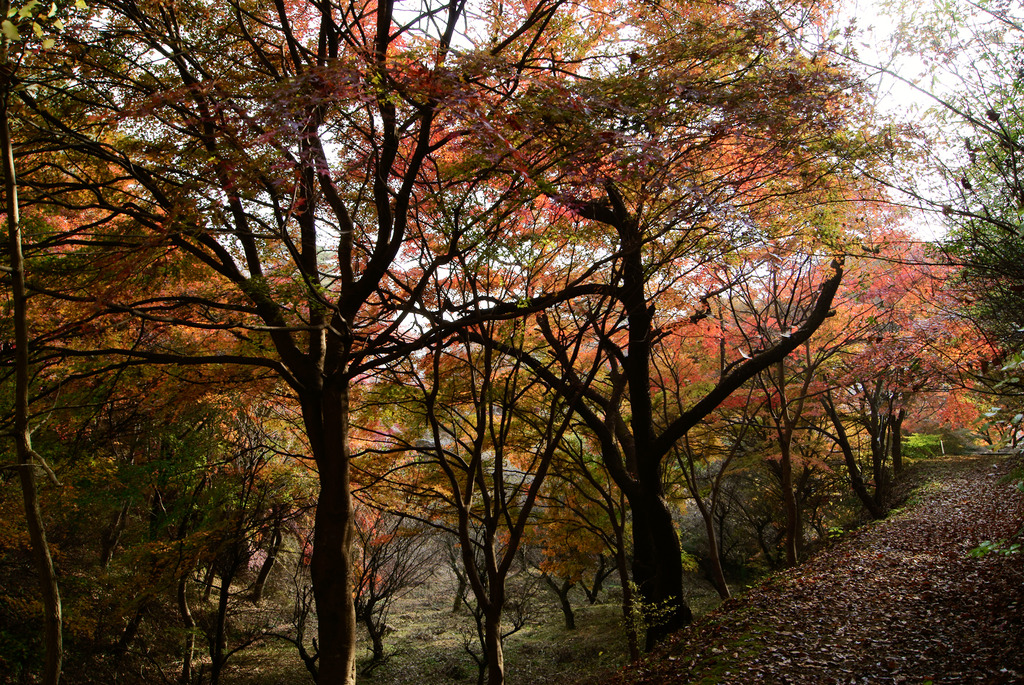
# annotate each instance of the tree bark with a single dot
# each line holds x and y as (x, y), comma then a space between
(714, 553)
(131, 629)
(267, 566)
(211, 573)
(460, 592)
(112, 534)
(27, 458)
(494, 653)
(376, 634)
(658, 568)
(189, 624)
(897, 441)
(219, 639)
(600, 573)
(842, 438)
(789, 503)
(628, 598)
(561, 591)
(326, 416)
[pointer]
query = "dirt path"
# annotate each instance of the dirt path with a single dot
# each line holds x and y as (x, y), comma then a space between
(900, 601)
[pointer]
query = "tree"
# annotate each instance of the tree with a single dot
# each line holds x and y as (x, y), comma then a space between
(985, 182)
(246, 486)
(585, 520)
(27, 459)
(392, 558)
(970, 174)
(305, 179)
(669, 165)
(704, 456)
(488, 431)
(567, 551)
(575, 535)
(899, 317)
(635, 461)
(765, 311)
(284, 152)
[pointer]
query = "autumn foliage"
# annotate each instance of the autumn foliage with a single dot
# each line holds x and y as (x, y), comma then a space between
(340, 290)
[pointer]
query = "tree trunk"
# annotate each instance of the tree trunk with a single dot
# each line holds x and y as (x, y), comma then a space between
(190, 632)
(842, 438)
(897, 441)
(129, 632)
(657, 556)
(112, 534)
(219, 639)
(789, 503)
(493, 652)
(326, 416)
(276, 541)
(48, 590)
(561, 591)
(658, 568)
(211, 572)
(714, 554)
(460, 591)
(880, 470)
(376, 634)
(600, 574)
(622, 567)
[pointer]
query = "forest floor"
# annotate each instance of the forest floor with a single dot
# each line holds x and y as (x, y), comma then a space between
(898, 601)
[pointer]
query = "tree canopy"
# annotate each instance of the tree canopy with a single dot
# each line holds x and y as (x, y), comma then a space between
(434, 255)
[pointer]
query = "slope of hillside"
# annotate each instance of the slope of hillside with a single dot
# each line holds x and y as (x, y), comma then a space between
(899, 601)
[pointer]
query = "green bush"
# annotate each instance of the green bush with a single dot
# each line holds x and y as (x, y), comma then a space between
(923, 445)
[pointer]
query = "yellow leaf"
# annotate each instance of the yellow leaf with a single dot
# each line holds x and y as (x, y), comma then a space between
(48, 43)
(80, 4)
(53, 9)
(26, 11)
(58, 24)
(10, 30)
(37, 29)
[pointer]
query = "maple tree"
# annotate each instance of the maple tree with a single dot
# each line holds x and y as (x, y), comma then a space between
(156, 484)
(765, 310)
(670, 164)
(250, 488)
(704, 457)
(306, 189)
(260, 136)
(393, 553)
(482, 433)
(902, 320)
(804, 616)
(581, 525)
(12, 52)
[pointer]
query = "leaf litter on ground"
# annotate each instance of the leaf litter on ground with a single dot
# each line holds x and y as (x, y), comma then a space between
(897, 601)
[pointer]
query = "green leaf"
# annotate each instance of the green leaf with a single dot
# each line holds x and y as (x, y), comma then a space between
(53, 9)
(10, 30)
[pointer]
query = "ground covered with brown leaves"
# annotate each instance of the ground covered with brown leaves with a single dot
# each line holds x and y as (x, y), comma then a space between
(898, 601)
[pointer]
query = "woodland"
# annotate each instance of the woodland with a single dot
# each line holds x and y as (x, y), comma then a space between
(313, 307)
